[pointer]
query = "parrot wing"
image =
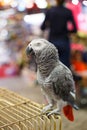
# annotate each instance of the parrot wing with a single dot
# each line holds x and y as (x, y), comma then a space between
(63, 83)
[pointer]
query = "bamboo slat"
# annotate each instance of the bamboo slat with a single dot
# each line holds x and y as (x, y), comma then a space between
(19, 113)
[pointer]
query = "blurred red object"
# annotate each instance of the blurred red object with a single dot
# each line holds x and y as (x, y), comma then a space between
(76, 10)
(7, 71)
(77, 46)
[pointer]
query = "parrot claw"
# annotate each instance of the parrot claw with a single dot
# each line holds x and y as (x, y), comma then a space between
(55, 111)
(47, 108)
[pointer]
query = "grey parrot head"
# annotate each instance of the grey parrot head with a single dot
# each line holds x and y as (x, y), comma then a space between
(36, 46)
(41, 48)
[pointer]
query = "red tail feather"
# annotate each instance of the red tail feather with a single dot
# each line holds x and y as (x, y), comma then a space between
(68, 112)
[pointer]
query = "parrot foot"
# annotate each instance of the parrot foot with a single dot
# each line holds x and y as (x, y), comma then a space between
(55, 111)
(47, 108)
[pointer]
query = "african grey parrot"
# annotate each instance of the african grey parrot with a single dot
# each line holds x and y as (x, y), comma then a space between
(55, 78)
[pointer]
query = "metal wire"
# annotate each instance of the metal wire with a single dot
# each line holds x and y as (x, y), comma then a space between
(19, 113)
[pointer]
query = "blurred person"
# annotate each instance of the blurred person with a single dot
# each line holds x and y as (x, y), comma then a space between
(80, 69)
(60, 22)
(77, 62)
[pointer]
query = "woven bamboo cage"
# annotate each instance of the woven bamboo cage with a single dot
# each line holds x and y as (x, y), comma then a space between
(19, 113)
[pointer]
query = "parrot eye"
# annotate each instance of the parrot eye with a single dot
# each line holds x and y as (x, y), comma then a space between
(38, 44)
(29, 44)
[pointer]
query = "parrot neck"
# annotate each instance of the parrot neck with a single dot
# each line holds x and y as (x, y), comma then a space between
(46, 68)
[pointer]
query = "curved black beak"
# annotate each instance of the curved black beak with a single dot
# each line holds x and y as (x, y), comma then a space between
(29, 51)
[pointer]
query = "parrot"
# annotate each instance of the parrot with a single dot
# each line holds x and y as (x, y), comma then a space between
(56, 79)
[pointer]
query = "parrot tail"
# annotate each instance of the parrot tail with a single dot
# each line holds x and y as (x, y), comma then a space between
(68, 112)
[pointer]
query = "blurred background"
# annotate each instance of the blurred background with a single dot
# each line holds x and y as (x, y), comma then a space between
(20, 22)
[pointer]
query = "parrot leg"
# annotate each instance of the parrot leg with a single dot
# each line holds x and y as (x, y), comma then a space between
(50, 105)
(58, 109)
